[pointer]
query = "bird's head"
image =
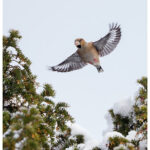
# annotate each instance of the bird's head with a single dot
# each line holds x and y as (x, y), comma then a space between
(79, 43)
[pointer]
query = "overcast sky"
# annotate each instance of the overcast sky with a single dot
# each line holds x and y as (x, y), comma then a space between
(49, 29)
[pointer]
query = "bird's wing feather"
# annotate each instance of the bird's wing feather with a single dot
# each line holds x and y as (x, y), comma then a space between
(108, 43)
(73, 62)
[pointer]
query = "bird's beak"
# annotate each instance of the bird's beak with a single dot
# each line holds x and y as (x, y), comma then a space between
(79, 46)
(77, 43)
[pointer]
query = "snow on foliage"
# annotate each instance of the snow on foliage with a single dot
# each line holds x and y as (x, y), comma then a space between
(134, 136)
(131, 135)
(89, 142)
(17, 133)
(107, 136)
(123, 107)
(7, 132)
(19, 145)
(120, 147)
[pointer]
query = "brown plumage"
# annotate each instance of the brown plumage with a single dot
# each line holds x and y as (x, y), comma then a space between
(89, 52)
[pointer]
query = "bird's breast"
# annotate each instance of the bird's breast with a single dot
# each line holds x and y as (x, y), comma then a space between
(89, 55)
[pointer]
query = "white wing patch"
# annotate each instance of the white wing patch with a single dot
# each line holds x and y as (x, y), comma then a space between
(108, 43)
(73, 62)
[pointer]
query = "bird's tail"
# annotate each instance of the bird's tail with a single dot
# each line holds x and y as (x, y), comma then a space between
(99, 69)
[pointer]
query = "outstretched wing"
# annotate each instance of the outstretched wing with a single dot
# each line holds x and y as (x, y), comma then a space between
(73, 62)
(108, 43)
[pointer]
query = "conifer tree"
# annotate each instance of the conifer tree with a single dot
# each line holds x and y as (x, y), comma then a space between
(133, 125)
(31, 121)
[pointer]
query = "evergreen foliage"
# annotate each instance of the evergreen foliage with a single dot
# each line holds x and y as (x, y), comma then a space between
(136, 121)
(96, 148)
(31, 121)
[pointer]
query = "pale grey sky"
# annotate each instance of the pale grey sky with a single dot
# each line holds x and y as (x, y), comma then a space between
(49, 29)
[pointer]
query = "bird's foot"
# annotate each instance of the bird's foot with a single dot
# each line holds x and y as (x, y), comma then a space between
(99, 69)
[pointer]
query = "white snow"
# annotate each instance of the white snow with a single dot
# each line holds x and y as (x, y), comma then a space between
(89, 143)
(121, 146)
(17, 133)
(113, 134)
(17, 113)
(16, 136)
(131, 135)
(19, 145)
(123, 107)
(7, 132)
(107, 136)
(33, 106)
(109, 123)
(143, 145)
(44, 103)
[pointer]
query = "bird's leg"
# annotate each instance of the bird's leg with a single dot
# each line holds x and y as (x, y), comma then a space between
(99, 69)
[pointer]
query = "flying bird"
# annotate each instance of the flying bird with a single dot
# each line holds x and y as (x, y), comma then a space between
(89, 52)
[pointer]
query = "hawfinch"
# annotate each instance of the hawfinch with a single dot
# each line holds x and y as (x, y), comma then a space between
(89, 53)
